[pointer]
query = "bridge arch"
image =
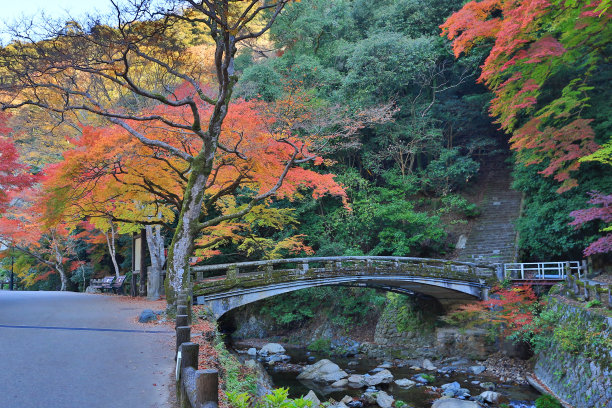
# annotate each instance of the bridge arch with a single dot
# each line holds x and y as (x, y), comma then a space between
(449, 282)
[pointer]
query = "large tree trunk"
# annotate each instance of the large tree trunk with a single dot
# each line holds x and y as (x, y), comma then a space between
(155, 242)
(182, 245)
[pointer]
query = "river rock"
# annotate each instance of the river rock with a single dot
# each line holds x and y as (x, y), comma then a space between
(338, 405)
(381, 377)
(428, 365)
(346, 399)
(421, 378)
(489, 386)
(454, 403)
(250, 364)
(340, 383)
(491, 396)
(454, 390)
(355, 404)
(252, 351)
(356, 381)
(322, 371)
(478, 369)
(386, 364)
(450, 386)
(311, 396)
(369, 397)
(147, 316)
(271, 348)
(384, 400)
(405, 383)
(275, 358)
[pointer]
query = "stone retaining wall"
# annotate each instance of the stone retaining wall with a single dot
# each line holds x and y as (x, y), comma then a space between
(582, 377)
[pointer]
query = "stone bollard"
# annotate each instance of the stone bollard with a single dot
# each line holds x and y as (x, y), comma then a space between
(586, 292)
(181, 310)
(183, 335)
(595, 292)
(189, 354)
(575, 286)
(609, 297)
(181, 320)
(304, 268)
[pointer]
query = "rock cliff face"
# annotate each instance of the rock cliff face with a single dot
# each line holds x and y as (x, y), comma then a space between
(583, 375)
(402, 330)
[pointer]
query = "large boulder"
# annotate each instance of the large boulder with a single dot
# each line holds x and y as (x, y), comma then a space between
(381, 377)
(271, 348)
(311, 396)
(147, 316)
(252, 351)
(322, 371)
(384, 400)
(454, 403)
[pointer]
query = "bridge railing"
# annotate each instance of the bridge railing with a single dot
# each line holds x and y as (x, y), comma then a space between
(544, 270)
(340, 264)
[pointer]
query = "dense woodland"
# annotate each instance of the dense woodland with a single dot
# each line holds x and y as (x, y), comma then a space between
(349, 127)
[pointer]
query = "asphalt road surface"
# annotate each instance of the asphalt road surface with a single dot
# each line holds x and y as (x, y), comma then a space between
(74, 350)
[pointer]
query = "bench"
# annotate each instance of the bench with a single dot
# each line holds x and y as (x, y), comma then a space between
(117, 285)
(102, 284)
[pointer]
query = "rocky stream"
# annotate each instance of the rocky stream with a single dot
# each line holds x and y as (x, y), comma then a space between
(354, 380)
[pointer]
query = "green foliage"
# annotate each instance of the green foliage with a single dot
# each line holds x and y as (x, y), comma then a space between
(359, 55)
(406, 315)
(547, 401)
(342, 306)
(544, 230)
(430, 378)
(593, 303)
(449, 172)
(278, 398)
(320, 345)
(236, 382)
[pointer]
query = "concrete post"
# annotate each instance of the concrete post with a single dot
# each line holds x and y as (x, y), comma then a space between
(207, 386)
(183, 335)
(304, 268)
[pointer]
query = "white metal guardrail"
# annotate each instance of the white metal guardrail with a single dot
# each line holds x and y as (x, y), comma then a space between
(543, 270)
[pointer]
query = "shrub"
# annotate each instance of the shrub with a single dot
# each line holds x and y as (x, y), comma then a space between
(547, 401)
(320, 345)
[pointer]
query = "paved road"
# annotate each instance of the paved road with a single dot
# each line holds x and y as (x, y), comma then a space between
(72, 350)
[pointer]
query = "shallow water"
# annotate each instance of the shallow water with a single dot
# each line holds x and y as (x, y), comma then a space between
(417, 397)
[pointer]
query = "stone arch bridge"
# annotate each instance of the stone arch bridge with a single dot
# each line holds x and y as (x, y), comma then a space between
(243, 283)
